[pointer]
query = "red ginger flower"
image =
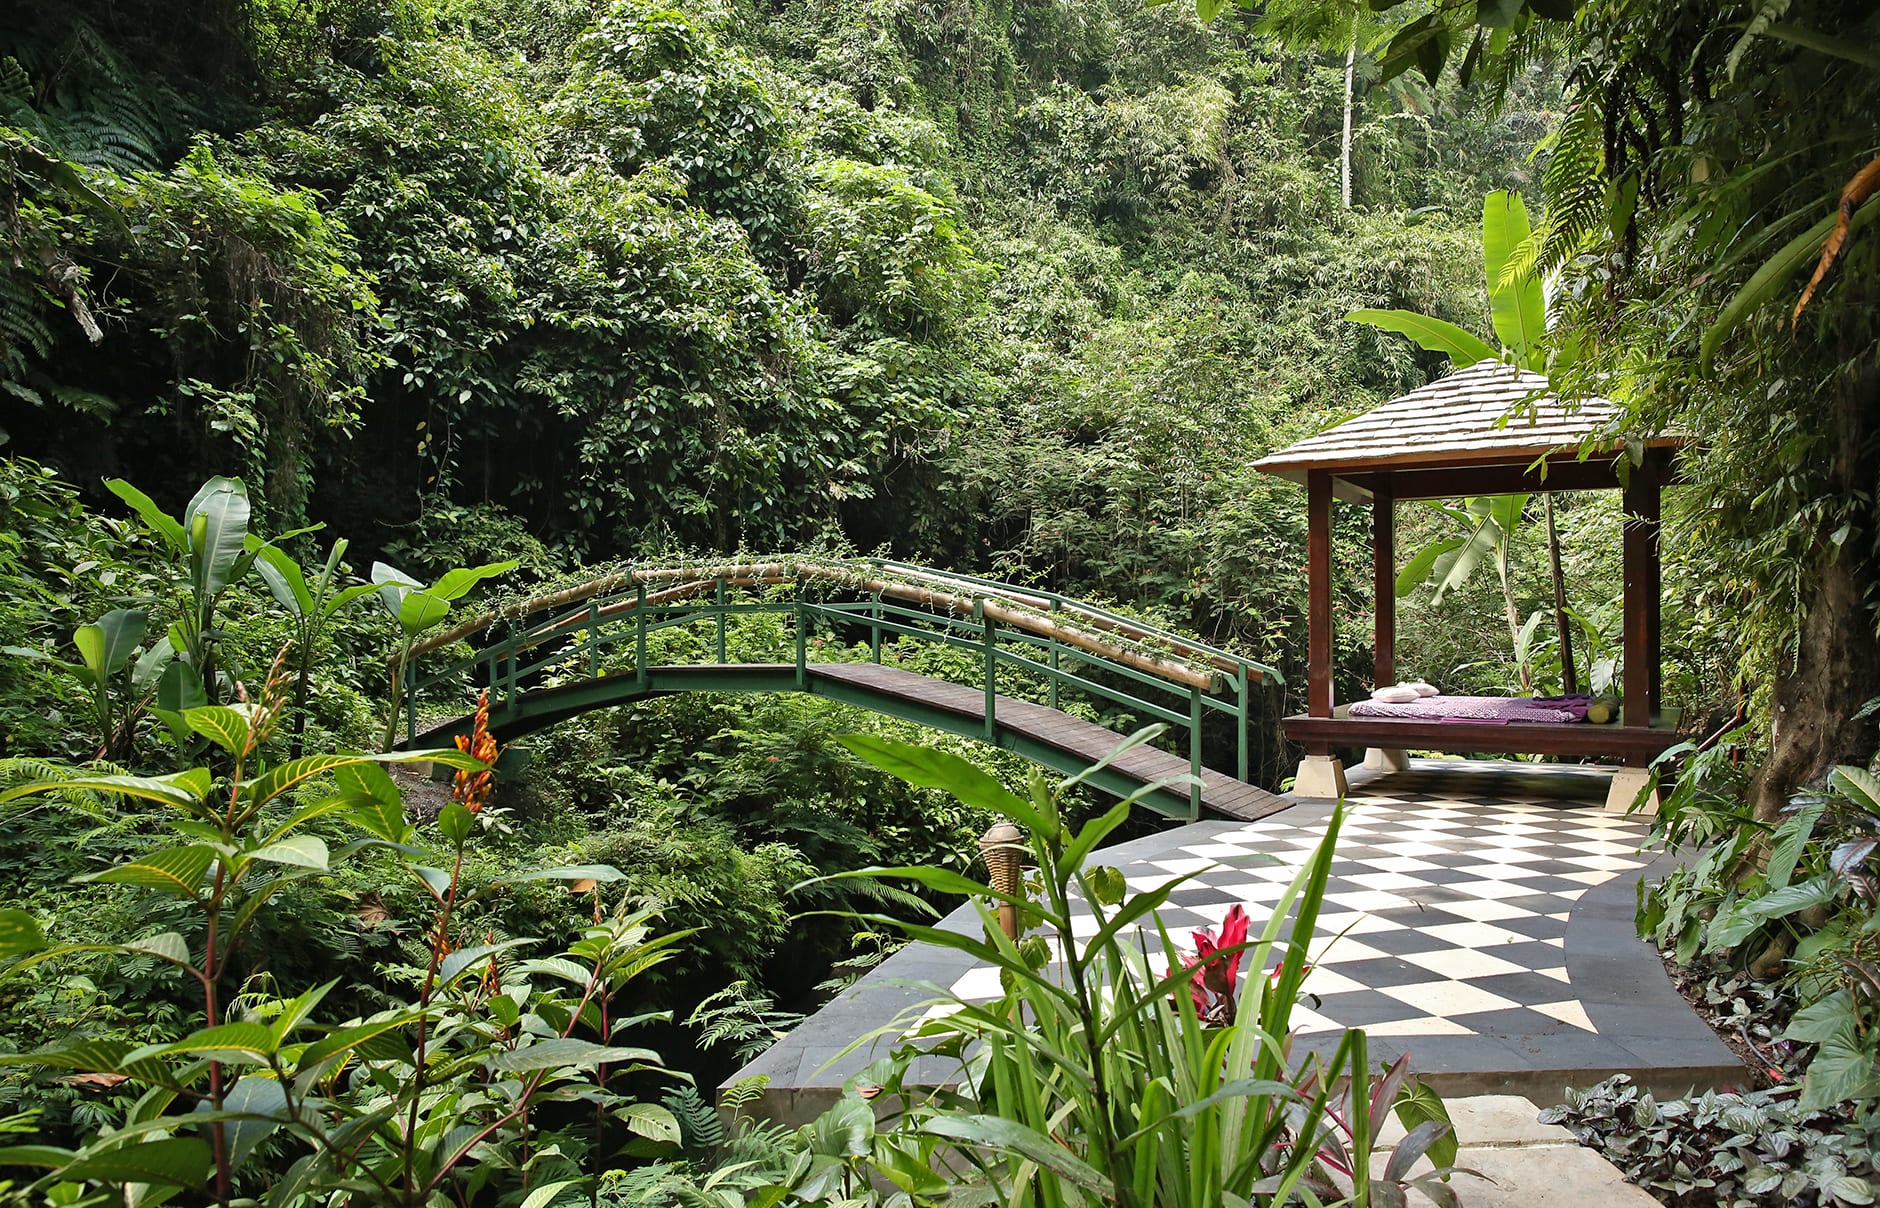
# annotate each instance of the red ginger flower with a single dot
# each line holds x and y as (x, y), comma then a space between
(1213, 989)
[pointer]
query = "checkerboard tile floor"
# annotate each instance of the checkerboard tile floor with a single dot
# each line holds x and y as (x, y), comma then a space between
(1446, 915)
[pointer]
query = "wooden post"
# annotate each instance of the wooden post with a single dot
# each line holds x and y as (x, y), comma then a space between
(1642, 670)
(1384, 570)
(1319, 593)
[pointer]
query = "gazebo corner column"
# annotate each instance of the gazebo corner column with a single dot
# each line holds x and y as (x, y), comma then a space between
(1384, 594)
(1643, 663)
(1319, 775)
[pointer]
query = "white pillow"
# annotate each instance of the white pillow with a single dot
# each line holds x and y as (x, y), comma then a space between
(1395, 694)
(1422, 688)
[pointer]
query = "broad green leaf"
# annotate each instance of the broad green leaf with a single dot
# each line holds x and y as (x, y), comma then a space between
(301, 851)
(167, 946)
(241, 1041)
(995, 1133)
(278, 779)
(283, 576)
(175, 870)
(159, 520)
(1462, 347)
(346, 1039)
(463, 958)
(19, 934)
(179, 689)
(419, 610)
(557, 1053)
(651, 1121)
(217, 548)
(1823, 1018)
(392, 585)
(1417, 570)
(254, 1095)
(223, 726)
(456, 822)
(107, 643)
(548, 1193)
(34, 1155)
(1417, 1105)
(1858, 785)
(173, 1161)
(344, 598)
(151, 663)
(1515, 301)
(1843, 1070)
(928, 768)
(178, 788)
(455, 583)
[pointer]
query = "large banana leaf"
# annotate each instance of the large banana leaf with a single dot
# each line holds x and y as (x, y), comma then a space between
(1437, 335)
(106, 643)
(1518, 306)
(217, 524)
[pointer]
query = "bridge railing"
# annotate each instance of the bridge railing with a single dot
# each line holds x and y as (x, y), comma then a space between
(1153, 673)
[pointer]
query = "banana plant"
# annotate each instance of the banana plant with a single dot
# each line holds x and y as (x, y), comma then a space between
(212, 540)
(1517, 308)
(313, 602)
(1491, 528)
(117, 673)
(417, 609)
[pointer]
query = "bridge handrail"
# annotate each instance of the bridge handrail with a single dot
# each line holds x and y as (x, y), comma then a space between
(1045, 607)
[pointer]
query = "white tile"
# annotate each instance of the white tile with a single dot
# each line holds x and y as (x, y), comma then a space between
(1324, 979)
(1383, 880)
(1345, 951)
(1516, 855)
(1587, 878)
(1215, 851)
(1559, 975)
(1569, 1012)
(1495, 842)
(1448, 998)
(1427, 1025)
(978, 984)
(1494, 871)
(1181, 865)
(1412, 848)
(1558, 941)
(1602, 863)
(1369, 901)
(1483, 911)
(1571, 895)
(1462, 963)
(1306, 1020)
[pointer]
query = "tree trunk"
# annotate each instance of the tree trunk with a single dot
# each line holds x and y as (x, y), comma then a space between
(1351, 71)
(1837, 666)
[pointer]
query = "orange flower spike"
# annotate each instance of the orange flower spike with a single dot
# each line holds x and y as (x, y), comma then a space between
(472, 789)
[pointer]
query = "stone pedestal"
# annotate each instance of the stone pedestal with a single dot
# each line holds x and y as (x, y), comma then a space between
(1385, 759)
(1626, 784)
(1320, 776)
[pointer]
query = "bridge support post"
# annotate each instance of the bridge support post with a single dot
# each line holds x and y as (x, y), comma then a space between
(719, 597)
(874, 637)
(1194, 754)
(992, 676)
(639, 637)
(1246, 683)
(594, 639)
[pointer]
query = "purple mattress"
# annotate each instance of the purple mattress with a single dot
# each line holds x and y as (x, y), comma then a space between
(1487, 710)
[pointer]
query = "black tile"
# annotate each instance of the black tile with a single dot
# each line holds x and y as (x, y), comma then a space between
(1380, 971)
(1524, 988)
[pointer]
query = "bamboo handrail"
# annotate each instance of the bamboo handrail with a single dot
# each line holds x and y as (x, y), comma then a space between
(1041, 620)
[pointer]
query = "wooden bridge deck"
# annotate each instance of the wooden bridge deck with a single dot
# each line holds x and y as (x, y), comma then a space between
(1036, 731)
(1220, 793)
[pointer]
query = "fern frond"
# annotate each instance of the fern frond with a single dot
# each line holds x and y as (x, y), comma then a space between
(1575, 185)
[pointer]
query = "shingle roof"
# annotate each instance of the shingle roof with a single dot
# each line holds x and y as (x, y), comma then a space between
(1487, 414)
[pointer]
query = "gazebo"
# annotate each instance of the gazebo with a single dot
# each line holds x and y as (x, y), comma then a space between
(1489, 429)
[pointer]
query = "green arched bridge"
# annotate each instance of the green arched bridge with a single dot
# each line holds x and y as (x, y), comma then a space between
(795, 625)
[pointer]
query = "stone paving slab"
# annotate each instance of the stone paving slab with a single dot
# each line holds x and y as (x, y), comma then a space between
(1524, 1163)
(1480, 920)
